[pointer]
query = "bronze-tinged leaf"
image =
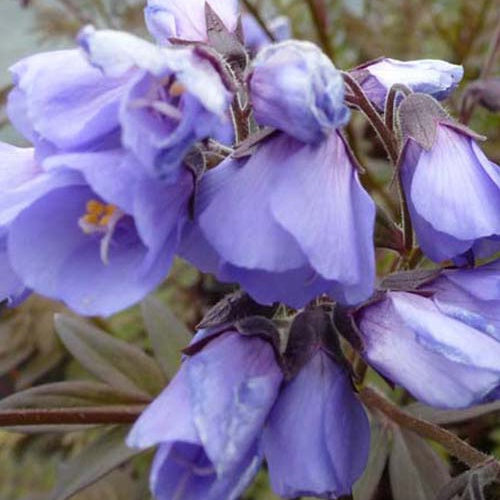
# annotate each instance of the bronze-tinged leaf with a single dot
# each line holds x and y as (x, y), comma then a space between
(70, 395)
(380, 442)
(416, 470)
(105, 454)
(168, 335)
(444, 417)
(117, 363)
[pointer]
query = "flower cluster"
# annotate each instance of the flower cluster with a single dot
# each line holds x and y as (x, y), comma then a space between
(216, 145)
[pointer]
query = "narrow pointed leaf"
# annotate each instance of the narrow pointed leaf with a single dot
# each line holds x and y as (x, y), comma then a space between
(113, 361)
(441, 417)
(416, 470)
(105, 454)
(169, 336)
(366, 486)
(69, 395)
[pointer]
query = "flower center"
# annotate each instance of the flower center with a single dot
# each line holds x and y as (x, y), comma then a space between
(101, 218)
(176, 89)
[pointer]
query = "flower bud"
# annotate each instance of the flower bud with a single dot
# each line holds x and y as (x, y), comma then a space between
(295, 88)
(209, 419)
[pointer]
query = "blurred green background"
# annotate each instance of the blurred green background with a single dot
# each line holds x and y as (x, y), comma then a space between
(459, 31)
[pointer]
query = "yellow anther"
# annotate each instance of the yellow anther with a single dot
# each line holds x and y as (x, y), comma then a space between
(109, 211)
(176, 89)
(99, 214)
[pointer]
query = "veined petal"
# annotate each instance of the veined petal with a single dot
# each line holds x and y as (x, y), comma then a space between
(67, 101)
(320, 201)
(168, 418)
(67, 263)
(182, 471)
(317, 438)
(441, 361)
(234, 382)
(451, 170)
(237, 220)
(482, 282)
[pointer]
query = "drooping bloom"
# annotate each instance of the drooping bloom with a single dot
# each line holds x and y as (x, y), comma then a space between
(442, 341)
(175, 97)
(452, 189)
(106, 233)
(429, 76)
(209, 420)
(255, 36)
(186, 20)
(292, 221)
(317, 438)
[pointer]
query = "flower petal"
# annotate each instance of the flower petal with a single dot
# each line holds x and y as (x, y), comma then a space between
(455, 168)
(237, 220)
(234, 382)
(68, 102)
(321, 202)
(317, 438)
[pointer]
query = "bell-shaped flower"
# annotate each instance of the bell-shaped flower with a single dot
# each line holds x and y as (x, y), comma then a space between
(174, 98)
(256, 37)
(442, 341)
(452, 189)
(289, 223)
(292, 220)
(105, 233)
(317, 437)
(429, 76)
(209, 419)
(295, 88)
(186, 20)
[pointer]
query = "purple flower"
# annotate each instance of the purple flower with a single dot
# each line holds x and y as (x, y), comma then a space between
(295, 88)
(442, 342)
(21, 181)
(453, 193)
(186, 20)
(289, 223)
(105, 232)
(255, 36)
(317, 438)
(208, 421)
(61, 102)
(174, 97)
(428, 76)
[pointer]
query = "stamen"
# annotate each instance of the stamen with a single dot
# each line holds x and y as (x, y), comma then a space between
(101, 218)
(176, 89)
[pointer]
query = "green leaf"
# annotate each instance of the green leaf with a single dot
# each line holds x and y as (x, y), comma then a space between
(105, 454)
(366, 486)
(441, 417)
(69, 395)
(416, 470)
(121, 365)
(168, 335)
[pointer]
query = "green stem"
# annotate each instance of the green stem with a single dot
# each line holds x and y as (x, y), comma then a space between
(452, 443)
